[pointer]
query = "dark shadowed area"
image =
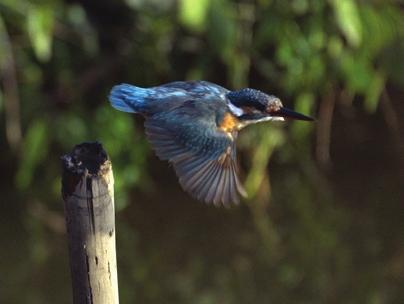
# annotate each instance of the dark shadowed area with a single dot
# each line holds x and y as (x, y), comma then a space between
(324, 221)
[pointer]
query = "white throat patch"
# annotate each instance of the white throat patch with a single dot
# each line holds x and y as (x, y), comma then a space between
(235, 110)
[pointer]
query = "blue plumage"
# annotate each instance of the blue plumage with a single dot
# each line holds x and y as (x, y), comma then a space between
(194, 125)
(133, 99)
(128, 98)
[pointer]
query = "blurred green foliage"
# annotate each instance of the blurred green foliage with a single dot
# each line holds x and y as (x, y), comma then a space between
(320, 236)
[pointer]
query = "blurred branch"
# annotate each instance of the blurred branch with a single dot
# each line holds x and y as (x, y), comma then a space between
(324, 127)
(393, 122)
(10, 88)
(346, 97)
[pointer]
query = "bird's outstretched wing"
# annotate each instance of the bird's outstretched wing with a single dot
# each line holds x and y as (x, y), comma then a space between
(203, 155)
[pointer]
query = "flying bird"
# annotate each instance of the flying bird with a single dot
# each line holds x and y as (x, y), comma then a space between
(194, 125)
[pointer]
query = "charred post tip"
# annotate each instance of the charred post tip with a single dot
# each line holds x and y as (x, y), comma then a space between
(89, 156)
(88, 159)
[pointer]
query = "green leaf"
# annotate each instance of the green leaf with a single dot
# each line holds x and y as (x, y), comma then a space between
(265, 140)
(348, 19)
(70, 129)
(357, 72)
(193, 13)
(304, 104)
(334, 47)
(34, 151)
(40, 21)
(299, 6)
(374, 91)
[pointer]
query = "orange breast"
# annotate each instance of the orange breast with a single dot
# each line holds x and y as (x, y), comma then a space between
(229, 123)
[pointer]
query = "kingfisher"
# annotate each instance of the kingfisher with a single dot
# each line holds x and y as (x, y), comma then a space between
(194, 125)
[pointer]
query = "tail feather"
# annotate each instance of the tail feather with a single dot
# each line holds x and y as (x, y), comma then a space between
(128, 98)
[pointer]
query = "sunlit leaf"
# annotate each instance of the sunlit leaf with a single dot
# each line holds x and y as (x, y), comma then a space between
(193, 13)
(348, 18)
(380, 28)
(40, 21)
(374, 91)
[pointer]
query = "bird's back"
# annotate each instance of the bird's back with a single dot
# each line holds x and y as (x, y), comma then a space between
(148, 101)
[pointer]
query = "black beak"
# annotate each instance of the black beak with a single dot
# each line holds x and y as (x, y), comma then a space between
(287, 113)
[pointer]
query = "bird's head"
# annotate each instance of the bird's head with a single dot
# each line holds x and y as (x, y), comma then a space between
(252, 106)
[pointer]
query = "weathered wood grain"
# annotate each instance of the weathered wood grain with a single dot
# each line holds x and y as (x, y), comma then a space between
(88, 195)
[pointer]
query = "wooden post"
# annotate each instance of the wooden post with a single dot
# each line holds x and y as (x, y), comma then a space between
(88, 195)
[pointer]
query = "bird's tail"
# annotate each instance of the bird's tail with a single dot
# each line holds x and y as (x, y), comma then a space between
(128, 98)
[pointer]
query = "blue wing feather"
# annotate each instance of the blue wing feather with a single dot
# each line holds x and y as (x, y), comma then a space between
(203, 156)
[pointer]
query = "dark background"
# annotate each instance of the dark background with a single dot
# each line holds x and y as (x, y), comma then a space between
(324, 222)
